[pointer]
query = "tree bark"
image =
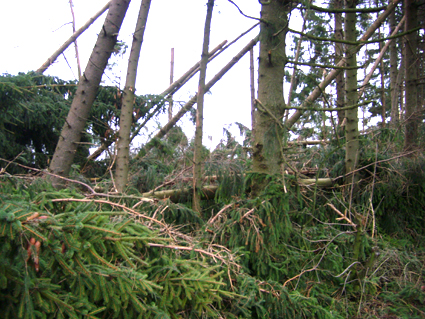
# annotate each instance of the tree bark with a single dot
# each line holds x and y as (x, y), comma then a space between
(267, 148)
(411, 92)
(393, 75)
(170, 98)
(292, 86)
(73, 38)
(351, 116)
(86, 92)
(197, 156)
(339, 52)
(379, 58)
(126, 117)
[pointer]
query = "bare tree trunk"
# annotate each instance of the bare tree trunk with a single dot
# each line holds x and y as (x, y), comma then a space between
(351, 116)
(411, 92)
(176, 85)
(292, 87)
(86, 92)
(252, 87)
(339, 52)
(379, 58)
(333, 74)
(383, 103)
(74, 37)
(393, 75)
(170, 98)
(193, 100)
(75, 42)
(197, 157)
(123, 154)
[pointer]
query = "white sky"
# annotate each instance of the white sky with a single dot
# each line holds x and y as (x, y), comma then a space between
(33, 30)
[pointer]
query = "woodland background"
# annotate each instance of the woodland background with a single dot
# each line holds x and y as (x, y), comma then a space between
(311, 214)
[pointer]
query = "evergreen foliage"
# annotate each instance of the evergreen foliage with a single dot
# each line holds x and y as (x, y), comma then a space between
(34, 109)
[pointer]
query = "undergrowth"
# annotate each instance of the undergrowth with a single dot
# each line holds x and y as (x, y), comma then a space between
(292, 252)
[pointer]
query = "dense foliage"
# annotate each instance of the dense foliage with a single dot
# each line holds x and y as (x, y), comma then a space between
(34, 108)
(286, 253)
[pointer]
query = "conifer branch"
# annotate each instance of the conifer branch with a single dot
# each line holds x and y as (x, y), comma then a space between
(330, 109)
(333, 10)
(312, 37)
(132, 211)
(329, 66)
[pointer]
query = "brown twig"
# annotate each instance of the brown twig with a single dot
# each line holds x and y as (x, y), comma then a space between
(219, 213)
(132, 211)
(343, 217)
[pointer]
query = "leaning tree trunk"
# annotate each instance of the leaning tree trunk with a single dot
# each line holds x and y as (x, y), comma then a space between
(126, 117)
(333, 74)
(86, 92)
(411, 93)
(197, 157)
(267, 148)
(351, 115)
(73, 38)
(185, 108)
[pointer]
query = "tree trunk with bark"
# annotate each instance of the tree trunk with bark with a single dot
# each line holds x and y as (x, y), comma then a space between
(393, 75)
(164, 130)
(126, 117)
(267, 148)
(72, 39)
(351, 116)
(334, 73)
(197, 157)
(86, 92)
(411, 92)
(339, 52)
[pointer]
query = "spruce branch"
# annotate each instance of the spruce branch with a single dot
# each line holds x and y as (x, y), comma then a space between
(312, 37)
(334, 10)
(329, 66)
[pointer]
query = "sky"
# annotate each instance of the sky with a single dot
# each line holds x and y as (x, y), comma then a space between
(33, 30)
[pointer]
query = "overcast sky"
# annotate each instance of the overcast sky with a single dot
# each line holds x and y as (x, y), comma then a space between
(33, 30)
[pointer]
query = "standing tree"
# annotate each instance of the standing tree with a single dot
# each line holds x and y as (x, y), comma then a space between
(393, 74)
(197, 156)
(351, 116)
(267, 150)
(86, 92)
(123, 154)
(410, 60)
(339, 35)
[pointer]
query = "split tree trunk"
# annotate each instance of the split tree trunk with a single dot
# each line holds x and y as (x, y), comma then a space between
(77, 55)
(86, 92)
(126, 117)
(197, 157)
